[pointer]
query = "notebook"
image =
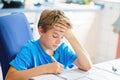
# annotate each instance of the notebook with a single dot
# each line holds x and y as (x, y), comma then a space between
(73, 74)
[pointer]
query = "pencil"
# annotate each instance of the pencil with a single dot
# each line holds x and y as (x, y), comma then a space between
(54, 60)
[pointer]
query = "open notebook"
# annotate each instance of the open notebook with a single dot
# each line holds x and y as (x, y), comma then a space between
(73, 74)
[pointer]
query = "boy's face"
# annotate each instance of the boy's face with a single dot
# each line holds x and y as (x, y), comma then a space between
(51, 40)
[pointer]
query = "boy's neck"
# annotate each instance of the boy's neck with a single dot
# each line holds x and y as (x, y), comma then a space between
(49, 52)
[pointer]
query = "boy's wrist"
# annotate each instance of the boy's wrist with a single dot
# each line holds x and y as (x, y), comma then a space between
(70, 36)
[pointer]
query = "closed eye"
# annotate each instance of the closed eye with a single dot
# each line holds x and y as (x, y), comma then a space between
(55, 35)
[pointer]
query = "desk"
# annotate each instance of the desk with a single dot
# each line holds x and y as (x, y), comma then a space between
(109, 70)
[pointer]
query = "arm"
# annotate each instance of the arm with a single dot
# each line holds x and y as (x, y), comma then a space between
(83, 61)
(14, 74)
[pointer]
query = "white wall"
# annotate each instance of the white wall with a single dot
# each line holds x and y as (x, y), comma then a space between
(102, 41)
(83, 21)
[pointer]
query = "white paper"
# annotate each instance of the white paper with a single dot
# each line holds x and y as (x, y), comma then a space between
(109, 65)
(98, 74)
(46, 77)
(73, 74)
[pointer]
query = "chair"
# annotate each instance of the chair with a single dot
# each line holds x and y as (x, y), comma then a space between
(14, 33)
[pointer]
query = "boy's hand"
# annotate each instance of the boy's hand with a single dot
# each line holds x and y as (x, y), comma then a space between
(55, 68)
(63, 29)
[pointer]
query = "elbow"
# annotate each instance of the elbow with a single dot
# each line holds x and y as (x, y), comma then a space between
(87, 67)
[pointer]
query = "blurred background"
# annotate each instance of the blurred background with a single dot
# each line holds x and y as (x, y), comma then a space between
(92, 22)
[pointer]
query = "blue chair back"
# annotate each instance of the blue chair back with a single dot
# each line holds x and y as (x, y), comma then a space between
(14, 33)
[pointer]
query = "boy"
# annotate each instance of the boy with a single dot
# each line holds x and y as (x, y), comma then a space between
(35, 58)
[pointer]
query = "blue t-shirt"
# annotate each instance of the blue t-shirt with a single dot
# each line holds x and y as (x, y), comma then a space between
(33, 55)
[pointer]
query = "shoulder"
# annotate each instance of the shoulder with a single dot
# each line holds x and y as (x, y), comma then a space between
(28, 49)
(31, 44)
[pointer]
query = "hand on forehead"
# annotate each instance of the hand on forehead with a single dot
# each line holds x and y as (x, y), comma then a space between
(61, 25)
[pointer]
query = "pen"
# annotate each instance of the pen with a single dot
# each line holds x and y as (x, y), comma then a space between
(54, 60)
(114, 69)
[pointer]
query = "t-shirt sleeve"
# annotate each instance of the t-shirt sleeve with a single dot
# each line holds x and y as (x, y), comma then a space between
(69, 56)
(22, 60)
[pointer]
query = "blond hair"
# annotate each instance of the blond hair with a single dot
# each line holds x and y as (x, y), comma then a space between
(49, 17)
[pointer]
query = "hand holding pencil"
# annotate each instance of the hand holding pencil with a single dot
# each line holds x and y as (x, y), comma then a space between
(55, 67)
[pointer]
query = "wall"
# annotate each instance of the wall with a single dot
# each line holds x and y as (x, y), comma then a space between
(83, 21)
(102, 41)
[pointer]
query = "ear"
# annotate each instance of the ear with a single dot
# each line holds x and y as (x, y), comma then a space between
(40, 30)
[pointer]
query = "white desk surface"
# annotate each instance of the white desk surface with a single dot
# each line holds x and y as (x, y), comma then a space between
(109, 70)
